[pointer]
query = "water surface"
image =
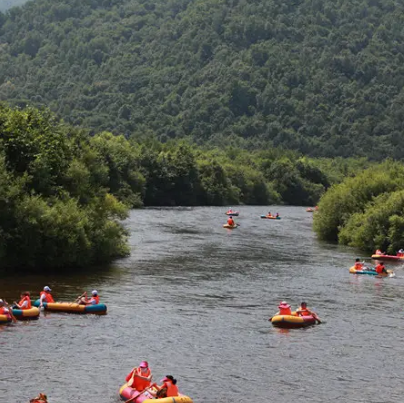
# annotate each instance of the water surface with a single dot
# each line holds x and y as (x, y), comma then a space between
(194, 300)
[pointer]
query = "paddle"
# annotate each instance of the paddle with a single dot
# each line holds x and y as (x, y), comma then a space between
(132, 399)
(77, 300)
(11, 311)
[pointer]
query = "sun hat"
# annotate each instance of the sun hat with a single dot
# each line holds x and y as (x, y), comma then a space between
(284, 304)
(46, 288)
(144, 364)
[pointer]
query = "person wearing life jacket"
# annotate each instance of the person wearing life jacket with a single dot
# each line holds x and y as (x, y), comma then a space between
(140, 378)
(230, 210)
(41, 398)
(380, 269)
(277, 215)
(358, 264)
(269, 214)
(25, 301)
(45, 296)
(167, 389)
(230, 221)
(4, 310)
(284, 309)
(379, 252)
(400, 253)
(94, 300)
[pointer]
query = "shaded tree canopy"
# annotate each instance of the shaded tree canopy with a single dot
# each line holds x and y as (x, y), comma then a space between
(321, 77)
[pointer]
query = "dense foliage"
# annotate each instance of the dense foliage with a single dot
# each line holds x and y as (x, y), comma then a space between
(54, 211)
(64, 192)
(365, 211)
(324, 77)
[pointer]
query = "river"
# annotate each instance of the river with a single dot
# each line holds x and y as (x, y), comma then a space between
(194, 300)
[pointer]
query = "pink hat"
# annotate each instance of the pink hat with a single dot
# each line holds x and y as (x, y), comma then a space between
(284, 304)
(144, 364)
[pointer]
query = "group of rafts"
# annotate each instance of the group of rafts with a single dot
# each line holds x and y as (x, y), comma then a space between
(303, 317)
(25, 310)
(130, 392)
(231, 213)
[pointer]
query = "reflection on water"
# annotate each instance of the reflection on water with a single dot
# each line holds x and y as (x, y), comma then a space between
(194, 300)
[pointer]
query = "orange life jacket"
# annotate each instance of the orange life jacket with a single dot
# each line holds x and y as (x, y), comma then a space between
(138, 383)
(96, 299)
(26, 298)
(230, 221)
(285, 311)
(172, 389)
(48, 296)
(379, 268)
(358, 265)
(304, 312)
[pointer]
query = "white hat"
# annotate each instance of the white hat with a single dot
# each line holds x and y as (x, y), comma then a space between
(46, 288)
(1, 301)
(94, 292)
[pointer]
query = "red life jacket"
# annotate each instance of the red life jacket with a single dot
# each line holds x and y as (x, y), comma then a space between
(26, 298)
(138, 383)
(48, 296)
(230, 221)
(172, 389)
(285, 311)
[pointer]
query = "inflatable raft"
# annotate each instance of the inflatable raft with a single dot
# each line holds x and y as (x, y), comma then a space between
(271, 217)
(387, 257)
(5, 319)
(230, 226)
(235, 213)
(292, 321)
(309, 210)
(371, 272)
(26, 314)
(99, 309)
(126, 393)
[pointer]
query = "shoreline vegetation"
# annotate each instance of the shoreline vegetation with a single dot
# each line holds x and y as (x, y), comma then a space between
(64, 193)
(365, 211)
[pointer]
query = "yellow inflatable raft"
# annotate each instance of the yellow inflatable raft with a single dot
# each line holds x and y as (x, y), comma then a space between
(126, 393)
(72, 307)
(26, 314)
(230, 226)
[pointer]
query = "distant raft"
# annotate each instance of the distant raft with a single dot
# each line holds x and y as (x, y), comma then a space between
(26, 314)
(390, 273)
(230, 226)
(233, 213)
(292, 321)
(388, 257)
(127, 393)
(271, 217)
(72, 307)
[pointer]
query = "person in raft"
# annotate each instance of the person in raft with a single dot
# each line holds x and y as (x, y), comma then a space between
(358, 264)
(230, 221)
(379, 252)
(269, 214)
(94, 300)
(140, 378)
(41, 398)
(284, 309)
(380, 269)
(400, 252)
(25, 301)
(45, 296)
(4, 310)
(167, 389)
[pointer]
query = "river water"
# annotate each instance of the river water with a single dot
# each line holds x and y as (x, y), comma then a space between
(194, 300)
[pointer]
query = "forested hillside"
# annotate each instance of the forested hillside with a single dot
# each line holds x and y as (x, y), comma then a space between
(6, 4)
(324, 77)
